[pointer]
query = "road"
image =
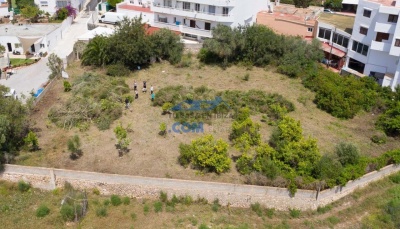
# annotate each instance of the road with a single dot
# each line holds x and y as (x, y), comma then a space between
(32, 77)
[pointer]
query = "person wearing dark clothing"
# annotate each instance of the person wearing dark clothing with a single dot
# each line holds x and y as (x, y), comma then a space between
(144, 84)
(127, 103)
(135, 86)
(136, 95)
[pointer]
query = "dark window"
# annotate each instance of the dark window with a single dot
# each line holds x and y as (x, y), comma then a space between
(340, 40)
(207, 26)
(197, 7)
(309, 29)
(367, 13)
(324, 33)
(186, 5)
(363, 30)
(211, 9)
(397, 43)
(225, 11)
(381, 36)
(360, 48)
(393, 18)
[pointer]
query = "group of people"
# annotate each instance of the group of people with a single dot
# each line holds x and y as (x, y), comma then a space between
(144, 90)
(7, 71)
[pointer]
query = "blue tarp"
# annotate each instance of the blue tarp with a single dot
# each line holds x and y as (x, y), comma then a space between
(39, 91)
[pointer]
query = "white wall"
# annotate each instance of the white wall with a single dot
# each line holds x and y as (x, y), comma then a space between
(3, 11)
(245, 12)
(52, 7)
(9, 39)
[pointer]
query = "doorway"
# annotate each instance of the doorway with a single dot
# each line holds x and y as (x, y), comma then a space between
(33, 48)
(193, 23)
(207, 26)
(9, 47)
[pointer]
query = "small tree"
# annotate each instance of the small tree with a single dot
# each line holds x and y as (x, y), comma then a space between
(56, 66)
(2, 49)
(30, 12)
(166, 107)
(163, 129)
(74, 146)
(122, 137)
(32, 141)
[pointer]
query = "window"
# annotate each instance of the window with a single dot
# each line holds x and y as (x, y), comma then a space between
(61, 4)
(44, 3)
(367, 13)
(324, 33)
(360, 48)
(340, 40)
(397, 43)
(168, 3)
(42, 46)
(211, 9)
(207, 26)
(17, 45)
(225, 11)
(174, 19)
(163, 19)
(197, 7)
(363, 30)
(186, 5)
(381, 36)
(393, 18)
(309, 29)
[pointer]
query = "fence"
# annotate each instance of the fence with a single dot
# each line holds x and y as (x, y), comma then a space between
(228, 194)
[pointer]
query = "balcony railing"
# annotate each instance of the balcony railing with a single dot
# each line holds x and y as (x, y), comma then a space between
(385, 27)
(380, 46)
(183, 29)
(204, 15)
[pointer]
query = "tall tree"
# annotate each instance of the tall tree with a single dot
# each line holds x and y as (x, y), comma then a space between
(97, 52)
(167, 45)
(56, 66)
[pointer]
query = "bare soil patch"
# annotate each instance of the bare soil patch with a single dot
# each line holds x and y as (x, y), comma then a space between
(156, 156)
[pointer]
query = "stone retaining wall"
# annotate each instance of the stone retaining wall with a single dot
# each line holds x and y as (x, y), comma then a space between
(145, 187)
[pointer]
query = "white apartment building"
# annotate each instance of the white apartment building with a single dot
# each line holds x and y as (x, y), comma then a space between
(195, 18)
(52, 6)
(374, 47)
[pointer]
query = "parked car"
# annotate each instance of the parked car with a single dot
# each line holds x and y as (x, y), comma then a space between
(329, 11)
(112, 18)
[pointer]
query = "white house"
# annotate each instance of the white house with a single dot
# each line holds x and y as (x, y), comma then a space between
(135, 9)
(52, 6)
(374, 47)
(32, 38)
(195, 18)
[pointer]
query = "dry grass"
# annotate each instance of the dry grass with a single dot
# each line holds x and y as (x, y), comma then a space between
(342, 22)
(153, 155)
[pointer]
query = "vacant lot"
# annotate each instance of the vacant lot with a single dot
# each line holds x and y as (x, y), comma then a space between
(153, 155)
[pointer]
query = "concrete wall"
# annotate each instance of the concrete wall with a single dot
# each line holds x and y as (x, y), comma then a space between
(145, 187)
(56, 35)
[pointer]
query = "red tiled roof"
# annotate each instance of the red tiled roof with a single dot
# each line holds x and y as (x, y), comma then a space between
(135, 8)
(150, 30)
(337, 52)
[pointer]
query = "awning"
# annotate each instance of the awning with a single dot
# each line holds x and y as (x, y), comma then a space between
(350, 2)
(337, 52)
(27, 42)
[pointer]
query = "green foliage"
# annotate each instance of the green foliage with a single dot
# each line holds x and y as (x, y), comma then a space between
(302, 3)
(166, 107)
(42, 211)
(133, 216)
(206, 153)
(115, 200)
(270, 212)
(113, 3)
(62, 14)
(23, 186)
(163, 197)
(215, 206)
(395, 178)
(122, 136)
(56, 66)
(67, 212)
(324, 209)
(389, 121)
(328, 169)
(106, 202)
(379, 139)
(117, 70)
(146, 209)
(101, 212)
(95, 99)
(166, 45)
(126, 200)
(246, 77)
(96, 191)
(393, 209)
(31, 140)
(348, 153)
(67, 86)
(30, 11)
(256, 207)
(96, 52)
(74, 146)
(163, 129)
(203, 226)
(333, 4)
(158, 207)
(294, 213)
(2, 49)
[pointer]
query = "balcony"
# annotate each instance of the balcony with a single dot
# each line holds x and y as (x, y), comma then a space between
(183, 29)
(202, 15)
(385, 27)
(380, 46)
(223, 3)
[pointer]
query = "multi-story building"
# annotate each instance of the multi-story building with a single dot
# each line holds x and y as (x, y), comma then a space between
(374, 47)
(195, 18)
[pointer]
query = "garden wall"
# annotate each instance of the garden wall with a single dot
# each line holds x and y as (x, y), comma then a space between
(145, 187)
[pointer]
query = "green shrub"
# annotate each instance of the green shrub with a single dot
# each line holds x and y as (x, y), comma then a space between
(244, 164)
(379, 139)
(101, 212)
(146, 209)
(117, 70)
(67, 86)
(163, 197)
(23, 186)
(324, 209)
(96, 191)
(74, 146)
(42, 211)
(133, 216)
(166, 107)
(32, 141)
(347, 153)
(256, 207)
(292, 188)
(246, 77)
(126, 200)
(203, 226)
(67, 212)
(333, 220)
(294, 213)
(395, 178)
(270, 212)
(158, 206)
(206, 153)
(116, 200)
(106, 202)
(163, 129)
(187, 200)
(215, 206)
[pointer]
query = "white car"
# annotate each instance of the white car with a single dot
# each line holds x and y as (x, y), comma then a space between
(12, 93)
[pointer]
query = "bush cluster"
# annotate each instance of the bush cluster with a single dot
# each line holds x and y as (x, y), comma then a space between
(95, 99)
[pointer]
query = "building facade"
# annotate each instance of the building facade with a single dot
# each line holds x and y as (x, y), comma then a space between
(195, 18)
(374, 47)
(52, 6)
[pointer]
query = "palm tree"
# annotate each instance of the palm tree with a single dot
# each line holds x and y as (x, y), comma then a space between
(96, 52)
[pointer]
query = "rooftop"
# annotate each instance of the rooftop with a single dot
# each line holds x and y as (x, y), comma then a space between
(384, 2)
(134, 8)
(27, 30)
(262, 18)
(342, 22)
